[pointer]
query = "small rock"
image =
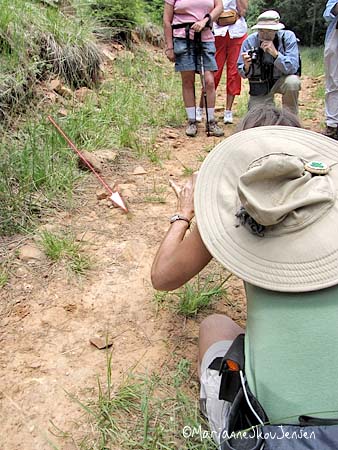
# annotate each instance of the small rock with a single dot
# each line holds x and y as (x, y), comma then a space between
(117, 46)
(51, 96)
(106, 155)
(172, 134)
(135, 37)
(92, 159)
(28, 252)
(63, 112)
(35, 365)
(65, 92)
(101, 343)
(139, 170)
(127, 190)
(84, 93)
(55, 84)
(109, 55)
(101, 194)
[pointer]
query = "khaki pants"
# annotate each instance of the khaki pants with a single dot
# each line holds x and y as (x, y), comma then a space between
(331, 75)
(288, 86)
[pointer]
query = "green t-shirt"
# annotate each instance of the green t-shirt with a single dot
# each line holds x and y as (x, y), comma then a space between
(291, 349)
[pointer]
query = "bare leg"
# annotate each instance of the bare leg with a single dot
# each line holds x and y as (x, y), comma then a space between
(216, 328)
(230, 101)
(210, 88)
(188, 88)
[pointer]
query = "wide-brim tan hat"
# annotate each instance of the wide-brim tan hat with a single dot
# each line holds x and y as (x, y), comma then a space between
(269, 20)
(287, 178)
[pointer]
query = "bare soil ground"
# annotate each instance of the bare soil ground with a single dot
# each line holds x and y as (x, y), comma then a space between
(48, 315)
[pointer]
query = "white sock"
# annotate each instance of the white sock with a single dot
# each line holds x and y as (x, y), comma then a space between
(211, 114)
(191, 113)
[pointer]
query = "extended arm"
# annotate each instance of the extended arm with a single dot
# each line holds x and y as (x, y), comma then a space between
(288, 62)
(179, 258)
(168, 15)
(242, 7)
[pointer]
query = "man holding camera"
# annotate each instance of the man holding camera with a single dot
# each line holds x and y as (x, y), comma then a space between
(270, 60)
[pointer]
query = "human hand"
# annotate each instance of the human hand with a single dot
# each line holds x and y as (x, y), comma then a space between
(200, 25)
(185, 196)
(268, 47)
(247, 61)
(169, 53)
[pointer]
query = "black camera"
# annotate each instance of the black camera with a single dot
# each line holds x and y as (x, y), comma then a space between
(261, 72)
(253, 53)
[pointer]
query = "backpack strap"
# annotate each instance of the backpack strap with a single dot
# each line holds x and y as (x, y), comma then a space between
(187, 26)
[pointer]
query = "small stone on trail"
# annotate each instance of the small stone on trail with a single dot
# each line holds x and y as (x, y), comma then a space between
(139, 170)
(92, 159)
(101, 343)
(172, 134)
(35, 365)
(28, 252)
(101, 194)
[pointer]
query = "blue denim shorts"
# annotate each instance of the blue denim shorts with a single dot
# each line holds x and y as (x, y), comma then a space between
(189, 58)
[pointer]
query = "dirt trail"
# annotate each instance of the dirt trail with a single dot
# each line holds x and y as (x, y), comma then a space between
(48, 316)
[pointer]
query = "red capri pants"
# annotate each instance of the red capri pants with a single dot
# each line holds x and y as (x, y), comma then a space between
(227, 51)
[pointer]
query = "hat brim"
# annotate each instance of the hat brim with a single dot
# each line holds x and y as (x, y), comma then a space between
(306, 260)
(275, 27)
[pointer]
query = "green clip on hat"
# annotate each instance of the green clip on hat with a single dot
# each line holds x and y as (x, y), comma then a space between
(286, 179)
(268, 20)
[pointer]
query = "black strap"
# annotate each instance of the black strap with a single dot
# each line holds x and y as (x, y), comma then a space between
(230, 382)
(187, 26)
(305, 421)
(216, 364)
(182, 25)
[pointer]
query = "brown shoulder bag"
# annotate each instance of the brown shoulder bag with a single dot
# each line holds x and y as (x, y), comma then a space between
(227, 17)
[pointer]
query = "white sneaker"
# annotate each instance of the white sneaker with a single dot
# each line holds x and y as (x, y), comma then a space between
(199, 114)
(228, 117)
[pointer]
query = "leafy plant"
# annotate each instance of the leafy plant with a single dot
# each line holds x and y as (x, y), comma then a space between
(193, 296)
(198, 295)
(58, 248)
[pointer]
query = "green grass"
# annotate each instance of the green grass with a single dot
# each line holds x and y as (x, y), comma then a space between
(64, 248)
(37, 168)
(3, 277)
(194, 296)
(312, 61)
(154, 199)
(144, 412)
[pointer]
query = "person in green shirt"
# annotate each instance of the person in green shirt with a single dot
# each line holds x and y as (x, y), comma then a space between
(265, 201)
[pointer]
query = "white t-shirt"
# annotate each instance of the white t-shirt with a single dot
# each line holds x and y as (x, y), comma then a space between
(236, 30)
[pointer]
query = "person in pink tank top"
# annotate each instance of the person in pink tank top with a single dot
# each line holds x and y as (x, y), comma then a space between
(184, 21)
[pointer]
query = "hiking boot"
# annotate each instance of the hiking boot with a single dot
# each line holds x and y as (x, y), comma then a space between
(331, 132)
(191, 129)
(199, 114)
(228, 117)
(214, 129)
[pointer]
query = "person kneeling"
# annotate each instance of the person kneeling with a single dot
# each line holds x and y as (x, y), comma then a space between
(270, 60)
